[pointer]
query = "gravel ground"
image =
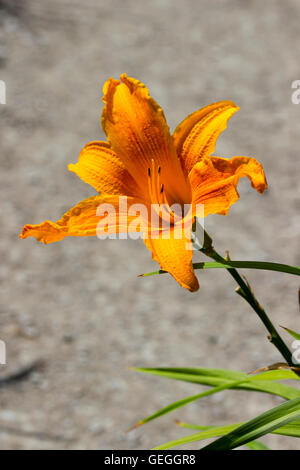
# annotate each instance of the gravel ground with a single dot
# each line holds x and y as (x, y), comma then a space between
(78, 305)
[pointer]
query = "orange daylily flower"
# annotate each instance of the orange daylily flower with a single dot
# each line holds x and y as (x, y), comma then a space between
(144, 162)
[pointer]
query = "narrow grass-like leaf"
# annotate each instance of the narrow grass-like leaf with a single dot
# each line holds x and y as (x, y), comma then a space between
(221, 430)
(291, 429)
(186, 401)
(208, 433)
(228, 385)
(259, 426)
(292, 333)
(257, 445)
(219, 377)
(277, 366)
(279, 374)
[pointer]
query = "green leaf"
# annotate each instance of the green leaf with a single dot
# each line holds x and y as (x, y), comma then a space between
(220, 377)
(270, 375)
(187, 400)
(291, 429)
(207, 433)
(284, 268)
(257, 445)
(277, 374)
(257, 381)
(292, 333)
(259, 426)
(254, 445)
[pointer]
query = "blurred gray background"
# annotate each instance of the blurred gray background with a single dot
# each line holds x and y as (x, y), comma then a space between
(77, 305)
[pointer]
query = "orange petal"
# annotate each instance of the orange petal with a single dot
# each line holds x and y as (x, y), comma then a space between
(214, 181)
(137, 131)
(196, 136)
(84, 219)
(175, 256)
(100, 167)
(242, 166)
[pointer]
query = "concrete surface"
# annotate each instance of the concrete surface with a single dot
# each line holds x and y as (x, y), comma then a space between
(78, 304)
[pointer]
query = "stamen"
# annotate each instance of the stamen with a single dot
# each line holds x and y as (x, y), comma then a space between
(158, 194)
(158, 185)
(153, 185)
(150, 184)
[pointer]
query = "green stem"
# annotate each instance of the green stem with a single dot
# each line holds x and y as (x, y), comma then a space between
(264, 265)
(245, 291)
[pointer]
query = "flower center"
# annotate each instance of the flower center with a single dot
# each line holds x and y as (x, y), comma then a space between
(158, 195)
